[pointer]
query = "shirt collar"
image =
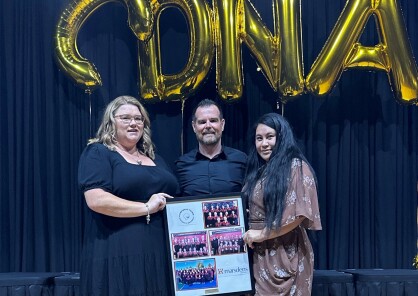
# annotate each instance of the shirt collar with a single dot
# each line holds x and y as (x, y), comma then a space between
(221, 155)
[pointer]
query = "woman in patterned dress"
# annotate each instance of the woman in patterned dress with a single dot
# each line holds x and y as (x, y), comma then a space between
(280, 188)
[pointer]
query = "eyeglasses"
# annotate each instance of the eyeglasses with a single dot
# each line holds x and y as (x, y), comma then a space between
(127, 119)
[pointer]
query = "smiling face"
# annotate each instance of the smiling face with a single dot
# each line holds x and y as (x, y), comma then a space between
(265, 140)
(208, 125)
(128, 134)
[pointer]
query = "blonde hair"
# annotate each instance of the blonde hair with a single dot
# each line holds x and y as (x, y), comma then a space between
(106, 134)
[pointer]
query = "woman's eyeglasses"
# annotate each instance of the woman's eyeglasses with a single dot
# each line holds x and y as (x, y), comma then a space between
(127, 119)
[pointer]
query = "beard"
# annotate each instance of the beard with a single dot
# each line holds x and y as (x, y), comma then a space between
(209, 139)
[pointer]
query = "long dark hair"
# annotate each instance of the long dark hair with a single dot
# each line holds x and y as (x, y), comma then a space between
(275, 174)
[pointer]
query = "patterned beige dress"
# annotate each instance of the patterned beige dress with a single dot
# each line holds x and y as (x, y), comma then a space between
(284, 265)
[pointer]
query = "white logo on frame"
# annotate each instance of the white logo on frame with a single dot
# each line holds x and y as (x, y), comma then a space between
(186, 216)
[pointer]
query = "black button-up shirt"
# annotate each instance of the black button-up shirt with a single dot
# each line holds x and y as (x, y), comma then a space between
(199, 175)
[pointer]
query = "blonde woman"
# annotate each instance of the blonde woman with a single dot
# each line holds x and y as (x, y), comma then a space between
(125, 185)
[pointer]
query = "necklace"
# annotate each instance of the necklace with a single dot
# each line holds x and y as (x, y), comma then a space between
(137, 160)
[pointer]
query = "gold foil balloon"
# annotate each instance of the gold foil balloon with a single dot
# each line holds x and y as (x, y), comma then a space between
(278, 55)
(232, 22)
(153, 83)
(403, 71)
(83, 72)
(393, 54)
(291, 82)
(228, 48)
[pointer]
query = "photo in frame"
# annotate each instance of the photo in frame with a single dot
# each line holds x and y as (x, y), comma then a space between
(207, 252)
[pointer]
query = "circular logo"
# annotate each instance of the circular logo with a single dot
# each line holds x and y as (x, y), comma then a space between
(186, 216)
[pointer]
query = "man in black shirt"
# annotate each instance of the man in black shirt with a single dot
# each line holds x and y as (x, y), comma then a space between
(211, 168)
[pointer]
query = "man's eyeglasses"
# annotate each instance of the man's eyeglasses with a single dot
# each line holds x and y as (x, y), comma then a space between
(128, 118)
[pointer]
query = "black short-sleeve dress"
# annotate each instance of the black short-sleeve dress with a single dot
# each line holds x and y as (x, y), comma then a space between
(124, 256)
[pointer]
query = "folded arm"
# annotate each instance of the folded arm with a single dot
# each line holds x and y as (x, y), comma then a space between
(258, 236)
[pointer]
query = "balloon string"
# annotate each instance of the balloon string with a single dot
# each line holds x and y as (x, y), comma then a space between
(88, 91)
(182, 126)
(279, 104)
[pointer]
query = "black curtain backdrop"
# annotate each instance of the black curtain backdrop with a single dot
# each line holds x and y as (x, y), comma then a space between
(360, 141)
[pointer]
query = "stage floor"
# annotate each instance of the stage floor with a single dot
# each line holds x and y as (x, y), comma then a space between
(349, 282)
